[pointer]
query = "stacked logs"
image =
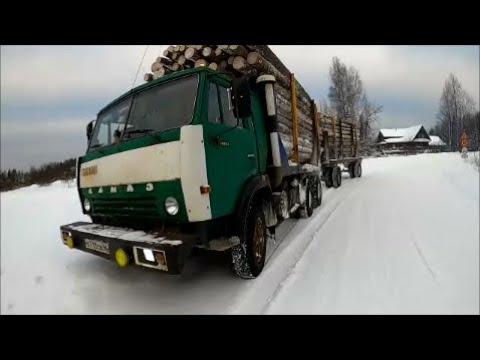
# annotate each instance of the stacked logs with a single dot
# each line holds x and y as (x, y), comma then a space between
(260, 59)
(342, 138)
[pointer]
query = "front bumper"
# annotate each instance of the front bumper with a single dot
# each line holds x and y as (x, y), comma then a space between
(166, 252)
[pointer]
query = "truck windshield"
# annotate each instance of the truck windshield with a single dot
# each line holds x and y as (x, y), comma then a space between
(110, 124)
(166, 106)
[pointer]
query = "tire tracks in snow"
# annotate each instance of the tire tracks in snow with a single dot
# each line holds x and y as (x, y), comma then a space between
(289, 253)
(291, 270)
(425, 262)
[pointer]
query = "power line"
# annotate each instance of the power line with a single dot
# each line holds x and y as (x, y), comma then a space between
(140, 65)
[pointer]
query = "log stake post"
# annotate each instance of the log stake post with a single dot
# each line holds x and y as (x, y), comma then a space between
(341, 138)
(316, 138)
(356, 143)
(324, 133)
(334, 122)
(293, 91)
(353, 139)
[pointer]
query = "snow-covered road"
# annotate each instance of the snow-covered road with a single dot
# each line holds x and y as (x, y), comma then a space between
(402, 239)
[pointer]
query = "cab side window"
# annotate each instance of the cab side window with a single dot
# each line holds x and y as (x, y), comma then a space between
(226, 101)
(220, 110)
(214, 115)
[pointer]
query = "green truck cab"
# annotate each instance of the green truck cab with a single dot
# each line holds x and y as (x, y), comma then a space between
(192, 159)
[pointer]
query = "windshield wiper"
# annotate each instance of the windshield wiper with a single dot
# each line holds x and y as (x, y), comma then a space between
(97, 146)
(138, 131)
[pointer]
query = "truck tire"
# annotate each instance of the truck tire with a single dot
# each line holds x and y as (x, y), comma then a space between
(248, 258)
(358, 169)
(336, 177)
(328, 177)
(306, 210)
(317, 192)
(352, 169)
(309, 203)
(281, 203)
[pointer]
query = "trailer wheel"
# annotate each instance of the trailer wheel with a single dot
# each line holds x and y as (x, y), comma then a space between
(309, 203)
(317, 192)
(337, 177)
(352, 170)
(328, 177)
(248, 258)
(358, 169)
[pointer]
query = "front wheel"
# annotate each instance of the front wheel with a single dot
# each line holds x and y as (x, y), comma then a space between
(248, 258)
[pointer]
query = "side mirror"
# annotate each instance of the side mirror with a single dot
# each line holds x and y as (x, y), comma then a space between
(90, 129)
(242, 105)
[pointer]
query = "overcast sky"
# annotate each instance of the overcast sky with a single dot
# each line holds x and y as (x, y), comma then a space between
(49, 93)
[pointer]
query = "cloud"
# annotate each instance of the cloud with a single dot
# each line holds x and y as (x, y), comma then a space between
(413, 71)
(48, 74)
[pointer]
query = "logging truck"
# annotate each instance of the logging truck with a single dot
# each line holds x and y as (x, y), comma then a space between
(200, 158)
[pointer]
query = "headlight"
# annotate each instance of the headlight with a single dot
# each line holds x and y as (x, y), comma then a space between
(86, 205)
(171, 205)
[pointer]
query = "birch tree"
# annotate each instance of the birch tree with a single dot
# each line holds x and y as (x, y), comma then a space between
(456, 112)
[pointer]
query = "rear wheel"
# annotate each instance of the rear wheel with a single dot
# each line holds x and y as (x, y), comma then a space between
(317, 192)
(306, 210)
(352, 169)
(336, 177)
(310, 201)
(281, 205)
(328, 177)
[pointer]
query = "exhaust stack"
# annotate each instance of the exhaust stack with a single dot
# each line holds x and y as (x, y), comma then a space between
(272, 127)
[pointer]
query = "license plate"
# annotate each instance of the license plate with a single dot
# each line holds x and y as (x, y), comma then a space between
(97, 245)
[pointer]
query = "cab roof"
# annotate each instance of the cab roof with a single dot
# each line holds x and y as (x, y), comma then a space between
(163, 79)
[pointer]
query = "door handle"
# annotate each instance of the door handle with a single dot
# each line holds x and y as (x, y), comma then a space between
(220, 142)
(251, 156)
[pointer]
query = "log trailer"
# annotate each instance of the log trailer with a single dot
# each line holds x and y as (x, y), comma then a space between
(199, 157)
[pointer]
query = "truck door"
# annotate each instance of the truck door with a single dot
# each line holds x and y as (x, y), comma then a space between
(230, 149)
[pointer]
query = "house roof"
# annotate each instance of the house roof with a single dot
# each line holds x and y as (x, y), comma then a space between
(436, 141)
(408, 133)
(404, 135)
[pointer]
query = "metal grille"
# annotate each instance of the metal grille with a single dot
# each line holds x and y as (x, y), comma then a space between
(137, 206)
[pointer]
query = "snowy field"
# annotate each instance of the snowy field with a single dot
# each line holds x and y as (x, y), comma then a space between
(403, 239)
